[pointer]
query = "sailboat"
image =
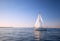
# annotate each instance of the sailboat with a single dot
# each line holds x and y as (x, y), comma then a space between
(38, 25)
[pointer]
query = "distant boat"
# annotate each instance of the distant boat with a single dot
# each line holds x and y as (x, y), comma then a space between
(38, 24)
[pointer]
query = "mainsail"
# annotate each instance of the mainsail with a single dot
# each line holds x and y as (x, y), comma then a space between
(39, 21)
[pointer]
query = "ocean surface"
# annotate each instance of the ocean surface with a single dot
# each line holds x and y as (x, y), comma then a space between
(29, 34)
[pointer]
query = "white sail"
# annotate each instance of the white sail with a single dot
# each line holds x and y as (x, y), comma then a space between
(39, 21)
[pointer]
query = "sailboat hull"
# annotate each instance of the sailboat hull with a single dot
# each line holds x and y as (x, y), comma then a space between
(41, 29)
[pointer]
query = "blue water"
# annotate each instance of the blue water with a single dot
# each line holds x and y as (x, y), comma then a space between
(29, 34)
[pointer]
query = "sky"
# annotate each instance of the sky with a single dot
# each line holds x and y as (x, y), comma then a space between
(23, 13)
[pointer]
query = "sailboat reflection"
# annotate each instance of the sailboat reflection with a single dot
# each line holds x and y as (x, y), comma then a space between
(37, 35)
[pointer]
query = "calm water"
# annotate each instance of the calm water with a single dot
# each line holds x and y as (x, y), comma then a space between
(29, 34)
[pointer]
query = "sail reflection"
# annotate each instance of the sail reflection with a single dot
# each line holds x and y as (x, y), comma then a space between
(37, 35)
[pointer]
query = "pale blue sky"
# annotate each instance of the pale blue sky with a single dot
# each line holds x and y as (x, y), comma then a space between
(23, 13)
